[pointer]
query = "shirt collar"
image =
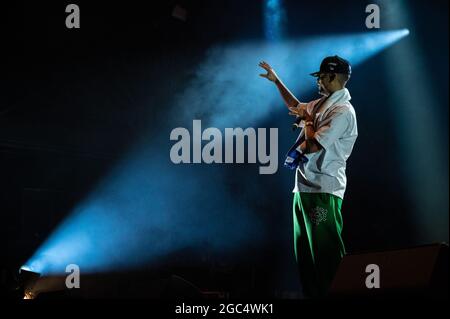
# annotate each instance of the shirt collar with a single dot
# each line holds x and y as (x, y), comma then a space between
(337, 98)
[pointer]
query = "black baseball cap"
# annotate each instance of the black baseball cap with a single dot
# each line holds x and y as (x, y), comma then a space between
(334, 64)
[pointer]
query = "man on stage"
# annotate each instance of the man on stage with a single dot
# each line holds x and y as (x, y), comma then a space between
(328, 133)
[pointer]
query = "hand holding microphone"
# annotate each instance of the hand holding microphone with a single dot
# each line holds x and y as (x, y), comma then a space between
(301, 113)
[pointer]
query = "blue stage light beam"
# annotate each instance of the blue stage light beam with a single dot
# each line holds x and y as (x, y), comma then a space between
(274, 19)
(149, 208)
(228, 92)
(422, 144)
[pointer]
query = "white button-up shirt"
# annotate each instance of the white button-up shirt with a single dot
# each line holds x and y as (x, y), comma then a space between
(336, 131)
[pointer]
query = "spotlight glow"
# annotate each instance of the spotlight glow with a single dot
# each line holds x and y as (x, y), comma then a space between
(274, 17)
(228, 92)
(427, 189)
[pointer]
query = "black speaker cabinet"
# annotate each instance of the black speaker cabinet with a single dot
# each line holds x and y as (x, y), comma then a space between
(419, 271)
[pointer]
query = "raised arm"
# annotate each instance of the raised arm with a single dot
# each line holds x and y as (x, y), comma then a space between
(289, 99)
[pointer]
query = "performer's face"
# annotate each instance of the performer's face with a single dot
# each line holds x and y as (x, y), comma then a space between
(324, 84)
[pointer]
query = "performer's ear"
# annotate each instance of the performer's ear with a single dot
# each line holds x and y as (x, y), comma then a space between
(332, 77)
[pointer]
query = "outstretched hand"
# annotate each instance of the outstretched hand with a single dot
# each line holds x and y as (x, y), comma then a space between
(270, 75)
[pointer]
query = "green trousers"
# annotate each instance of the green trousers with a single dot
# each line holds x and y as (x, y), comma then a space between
(318, 244)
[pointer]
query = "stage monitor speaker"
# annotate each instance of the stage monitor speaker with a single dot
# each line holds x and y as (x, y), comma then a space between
(419, 271)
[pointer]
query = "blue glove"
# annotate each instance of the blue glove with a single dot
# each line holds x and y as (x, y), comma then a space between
(293, 159)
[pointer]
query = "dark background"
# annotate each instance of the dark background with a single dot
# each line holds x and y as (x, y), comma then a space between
(73, 101)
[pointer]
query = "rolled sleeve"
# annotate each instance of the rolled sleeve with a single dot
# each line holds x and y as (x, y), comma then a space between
(331, 129)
